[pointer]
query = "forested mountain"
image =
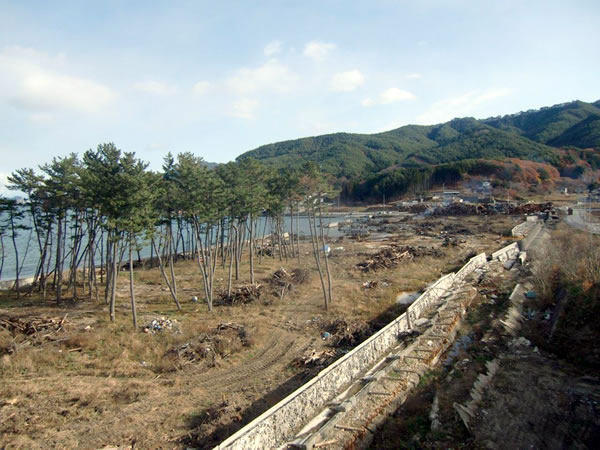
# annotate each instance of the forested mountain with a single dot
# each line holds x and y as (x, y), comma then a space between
(549, 125)
(532, 135)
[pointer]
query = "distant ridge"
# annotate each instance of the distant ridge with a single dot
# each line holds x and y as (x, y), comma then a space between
(534, 135)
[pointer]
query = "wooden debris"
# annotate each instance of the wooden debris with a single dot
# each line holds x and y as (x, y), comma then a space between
(240, 295)
(393, 255)
(347, 333)
(32, 325)
(314, 358)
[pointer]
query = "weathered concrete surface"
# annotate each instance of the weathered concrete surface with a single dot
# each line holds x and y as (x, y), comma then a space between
(365, 406)
(279, 424)
(509, 252)
(467, 411)
(474, 263)
(525, 243)
(433, 293)
(524, 228)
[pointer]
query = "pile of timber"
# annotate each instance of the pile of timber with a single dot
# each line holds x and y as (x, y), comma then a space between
(393, 255)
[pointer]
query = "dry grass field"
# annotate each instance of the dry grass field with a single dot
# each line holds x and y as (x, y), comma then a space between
(95, 384)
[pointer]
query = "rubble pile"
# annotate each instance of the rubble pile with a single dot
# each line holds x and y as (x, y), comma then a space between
(32, 331)
(32, 325)
(468, 209)
(457, 209)
(346, 333)
(240, 295)
(160, 324)
(530, 208)
(282, 278)
(417, 208)
(264, 251)
(222, 341)
(391, 256)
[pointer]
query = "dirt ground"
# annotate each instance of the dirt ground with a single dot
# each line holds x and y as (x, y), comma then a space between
(534, 400)
(90, 383)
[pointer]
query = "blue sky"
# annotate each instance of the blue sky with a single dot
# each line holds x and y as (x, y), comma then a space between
(221, 78)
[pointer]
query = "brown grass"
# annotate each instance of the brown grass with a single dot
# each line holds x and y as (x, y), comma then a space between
(106, 385)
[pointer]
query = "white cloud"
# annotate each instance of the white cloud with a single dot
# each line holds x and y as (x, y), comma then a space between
(391, 95)
(413, 76)
(154, 87)
(272, 48)
(317, 50)
(346, 81)
(394, 95)
(245, 108)
(460, 106)
(201, 87)
(492, 94)
(29, 79)
(271, 76)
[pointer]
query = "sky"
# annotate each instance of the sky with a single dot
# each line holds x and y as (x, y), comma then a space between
(222, 78)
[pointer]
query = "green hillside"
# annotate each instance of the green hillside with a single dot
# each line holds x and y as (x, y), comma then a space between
(484, 142)
(529, 135)
(584, 134)
(344, 154)
(547, 125)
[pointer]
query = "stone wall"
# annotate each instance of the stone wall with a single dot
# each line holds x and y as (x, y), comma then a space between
(280, 423)
(431, 295)
(474, 263)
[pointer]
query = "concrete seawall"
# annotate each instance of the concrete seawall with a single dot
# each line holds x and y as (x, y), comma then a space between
(524, 228)
(511, 251)
(279, 423)
(525, 243)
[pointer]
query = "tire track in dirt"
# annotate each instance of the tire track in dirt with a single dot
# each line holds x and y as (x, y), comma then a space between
(271, 357)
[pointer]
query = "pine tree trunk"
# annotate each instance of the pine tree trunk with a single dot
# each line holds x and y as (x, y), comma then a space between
(114, 275)
(133, 311)
(231, 257)
(298, 233)
(316, 250)
(59, 268)
(251, 250)
(48, 262)
(14, 241)
(108, 269)
(171, 260)
(329, 288)
(238, 251)
(164, 275)
(202, 262)
(101, 256)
